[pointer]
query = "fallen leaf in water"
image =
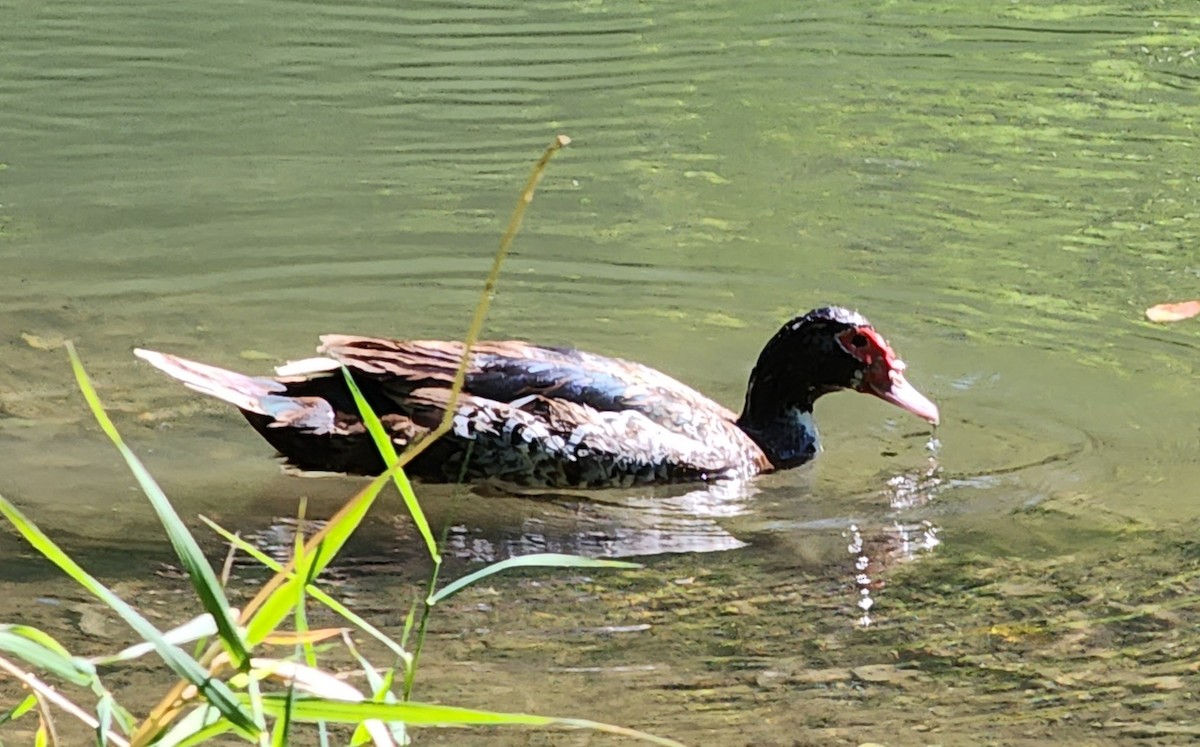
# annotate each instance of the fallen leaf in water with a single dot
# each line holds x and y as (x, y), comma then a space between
(255, 355)
(40, 343)
(1173, 312)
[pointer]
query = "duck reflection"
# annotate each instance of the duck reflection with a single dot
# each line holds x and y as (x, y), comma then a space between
(797, 519)
(615, 525)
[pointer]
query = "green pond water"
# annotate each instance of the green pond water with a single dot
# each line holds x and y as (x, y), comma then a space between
(1003, 188)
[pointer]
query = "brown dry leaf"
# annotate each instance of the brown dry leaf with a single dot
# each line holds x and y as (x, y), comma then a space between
(1173, 312)
(291, 638)
(37, 342)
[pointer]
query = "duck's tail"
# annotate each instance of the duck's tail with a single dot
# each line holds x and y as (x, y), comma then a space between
(250, 394)
(241, 391)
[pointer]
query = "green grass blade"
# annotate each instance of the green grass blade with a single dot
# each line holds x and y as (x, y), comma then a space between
(383, 442)
(204, 580)
(104, 717)
(205, 735)
(542, 560)
(43, 652)
(19, 710)
(283, 724)
(428, 714)
(409, 619)
(300, 613)
(217, 692)
(313, 590)
(197, 727)
(116, 713)
(381, 692)
(319, 551)
(412, 713)
(300, 608)
(38, 637)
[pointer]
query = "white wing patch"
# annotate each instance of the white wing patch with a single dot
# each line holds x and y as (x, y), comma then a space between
(307, 366)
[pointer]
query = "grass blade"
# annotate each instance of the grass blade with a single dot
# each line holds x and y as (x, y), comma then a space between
(313, 590)
(543, 560)
(381, 692)
(19, 710)
(383, 442)
(217, 692)
(41, 651)
(379, 434)
(45, 736)
(428, 714)
(322, 684)
(274, 602)
(197, 727)
(489, 285)
(204, 736)
(192, 630)
(489, 290)
(283, 724)
(104, 717)
(202, 576)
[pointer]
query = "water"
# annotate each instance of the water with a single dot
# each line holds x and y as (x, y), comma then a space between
(1001, 188)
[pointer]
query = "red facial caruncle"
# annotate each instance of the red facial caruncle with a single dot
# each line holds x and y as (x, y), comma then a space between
(883, 372)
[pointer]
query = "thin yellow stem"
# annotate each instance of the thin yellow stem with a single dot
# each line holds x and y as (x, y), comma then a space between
(485, 299)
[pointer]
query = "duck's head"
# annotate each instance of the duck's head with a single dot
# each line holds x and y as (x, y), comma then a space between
(823, 351)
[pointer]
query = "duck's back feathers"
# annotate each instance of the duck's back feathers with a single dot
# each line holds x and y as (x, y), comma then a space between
(512, 370)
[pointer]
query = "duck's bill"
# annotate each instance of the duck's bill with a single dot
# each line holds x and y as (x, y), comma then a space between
(900, 393)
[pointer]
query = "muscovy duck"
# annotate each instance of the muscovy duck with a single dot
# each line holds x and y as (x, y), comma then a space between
(553, 417)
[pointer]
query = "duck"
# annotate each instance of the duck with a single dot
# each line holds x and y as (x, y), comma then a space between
(553, 417)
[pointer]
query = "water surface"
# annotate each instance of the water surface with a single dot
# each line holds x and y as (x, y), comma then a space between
(1001, 188)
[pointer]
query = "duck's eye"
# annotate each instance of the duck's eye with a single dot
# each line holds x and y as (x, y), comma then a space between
(859, 341)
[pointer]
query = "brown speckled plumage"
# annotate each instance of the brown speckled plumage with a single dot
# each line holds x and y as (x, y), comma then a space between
(548, 417)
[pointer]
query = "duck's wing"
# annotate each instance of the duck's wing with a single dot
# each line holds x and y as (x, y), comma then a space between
(549, 416)
(505, 372)
(539, 440)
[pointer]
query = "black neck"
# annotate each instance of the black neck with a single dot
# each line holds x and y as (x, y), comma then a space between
(798, 365)
(778, 416)
(788, 440)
